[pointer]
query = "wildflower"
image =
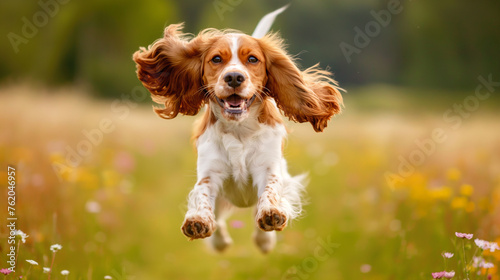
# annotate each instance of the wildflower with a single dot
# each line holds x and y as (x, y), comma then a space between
(21, 234)
(124, 162)
(449, 275)
(477, 261)
(6, 271)
(107, 277)
(46, 270)
(93, 206)
(443, 193)
(32, 262)
(466, 190)
(447, 255)
(453, 174)
(64, 272)
(470, 207)
(485, 245)
(365, 268)
(56, 247)
(441, 274)
(438, 275)
(488, 265)
(464, 235)
(459, 202)
(237, 224)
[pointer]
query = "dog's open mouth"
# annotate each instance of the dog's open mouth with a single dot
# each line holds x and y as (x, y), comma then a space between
(235, 104)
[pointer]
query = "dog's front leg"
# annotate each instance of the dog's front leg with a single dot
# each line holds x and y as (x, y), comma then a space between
(272, 211)
(200, 220)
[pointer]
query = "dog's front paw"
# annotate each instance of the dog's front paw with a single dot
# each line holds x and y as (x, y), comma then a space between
(196, 227)
(271, 219)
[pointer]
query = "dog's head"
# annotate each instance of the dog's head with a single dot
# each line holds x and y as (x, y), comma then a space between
(233, 72)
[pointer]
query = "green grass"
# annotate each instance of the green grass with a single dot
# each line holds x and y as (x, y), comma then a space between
(141, 173)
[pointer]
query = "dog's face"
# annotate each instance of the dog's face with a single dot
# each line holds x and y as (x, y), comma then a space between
(234, 74)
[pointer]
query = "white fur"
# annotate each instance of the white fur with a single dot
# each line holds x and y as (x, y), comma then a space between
(240, 159)
(240, 163)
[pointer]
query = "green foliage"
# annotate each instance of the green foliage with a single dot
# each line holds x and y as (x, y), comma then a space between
(441, 44)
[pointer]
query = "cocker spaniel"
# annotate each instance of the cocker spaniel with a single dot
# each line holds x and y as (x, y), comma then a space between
(245, 82)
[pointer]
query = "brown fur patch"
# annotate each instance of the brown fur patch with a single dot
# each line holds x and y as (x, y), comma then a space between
(205, 180)
(303, 96)
(268, 114)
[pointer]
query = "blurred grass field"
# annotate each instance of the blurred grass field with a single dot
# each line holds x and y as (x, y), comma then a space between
(119, 212)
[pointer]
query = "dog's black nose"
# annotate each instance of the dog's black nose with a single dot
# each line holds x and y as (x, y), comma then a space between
(234, 79)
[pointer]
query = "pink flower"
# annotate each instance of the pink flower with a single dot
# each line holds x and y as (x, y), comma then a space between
(449, 275)
(447, 255)
(124, 162)
(441, 274)
(464, 235)
(5, 271)
(237, 224)
(438, 275)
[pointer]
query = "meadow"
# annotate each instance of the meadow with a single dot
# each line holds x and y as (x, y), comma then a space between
(392, 180)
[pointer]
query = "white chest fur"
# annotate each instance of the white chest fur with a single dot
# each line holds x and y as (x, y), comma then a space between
(240, 155)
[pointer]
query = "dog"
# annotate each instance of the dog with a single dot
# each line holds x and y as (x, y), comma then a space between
(244, 82)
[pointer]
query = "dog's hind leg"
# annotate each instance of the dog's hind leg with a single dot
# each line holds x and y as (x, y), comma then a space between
(220, 240)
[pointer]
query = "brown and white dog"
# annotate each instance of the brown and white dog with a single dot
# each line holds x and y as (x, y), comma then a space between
(245, 82)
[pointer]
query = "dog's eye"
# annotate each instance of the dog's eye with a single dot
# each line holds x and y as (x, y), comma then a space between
(217, 59)
(252, 59)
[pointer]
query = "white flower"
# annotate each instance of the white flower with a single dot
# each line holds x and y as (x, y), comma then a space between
(487, 265)
(494, 246)
(485, 245)
(64, 272)
(56, 247)
(480, 243)
(107, 277)
(93, 206)
(450, 274)
(32, 262)
(447, 255)
(476, 261)
(22, 235)
(479, 262)
(46, 270)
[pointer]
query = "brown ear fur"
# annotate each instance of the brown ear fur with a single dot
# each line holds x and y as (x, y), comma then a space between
(308, 96)
(171, 69)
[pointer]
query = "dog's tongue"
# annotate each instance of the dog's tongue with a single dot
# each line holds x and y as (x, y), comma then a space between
(234, 100)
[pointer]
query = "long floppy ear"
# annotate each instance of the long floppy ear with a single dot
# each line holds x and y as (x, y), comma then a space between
(308, 96)
(170, 69)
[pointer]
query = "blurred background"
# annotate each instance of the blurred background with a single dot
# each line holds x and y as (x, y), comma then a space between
(414, 158)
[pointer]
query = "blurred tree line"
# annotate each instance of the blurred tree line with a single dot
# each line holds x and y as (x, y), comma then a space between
(421, 43)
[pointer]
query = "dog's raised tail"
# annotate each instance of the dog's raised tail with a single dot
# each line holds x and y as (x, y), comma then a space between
(266, 22)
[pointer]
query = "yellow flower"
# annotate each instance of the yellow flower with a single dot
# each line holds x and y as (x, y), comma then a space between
(453, 174)
(110, 178)
(63, 171)
(466, 190)
(484, 204)
(470, 207)
(87, 179)
(459, 202)
(443, 193)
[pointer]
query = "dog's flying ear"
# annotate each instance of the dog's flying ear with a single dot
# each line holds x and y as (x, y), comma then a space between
(303, 96)
(170, 69)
